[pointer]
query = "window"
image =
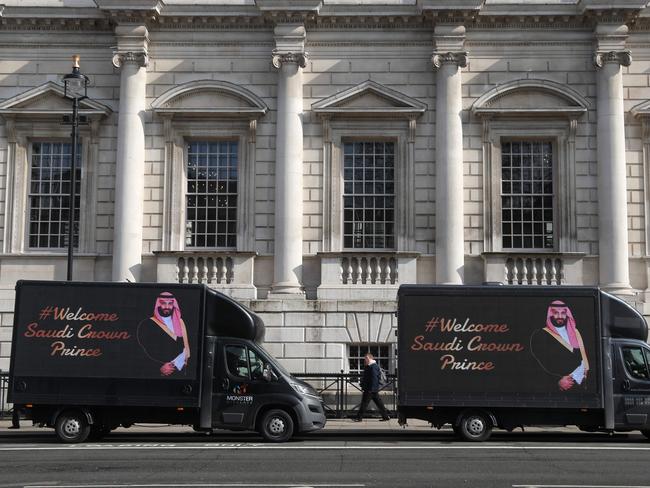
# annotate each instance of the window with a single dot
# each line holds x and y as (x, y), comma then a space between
(369, 195)
(244, 362)
(49, 195)
(635, 363)
(527, 194)
(211, 197)
(384, 355)
(236, 361)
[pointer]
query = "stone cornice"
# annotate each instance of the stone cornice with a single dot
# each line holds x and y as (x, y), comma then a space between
(319, 14)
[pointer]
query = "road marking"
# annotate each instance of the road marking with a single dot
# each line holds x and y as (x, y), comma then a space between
(580, 486)
(97, 447)
(203, 485)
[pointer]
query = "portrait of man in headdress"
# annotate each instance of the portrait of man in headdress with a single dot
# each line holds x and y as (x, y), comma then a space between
(559, 349)
(163, 337)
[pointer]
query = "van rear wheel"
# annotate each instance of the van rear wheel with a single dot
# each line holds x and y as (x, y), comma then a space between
(475, 426)
(276, 426)
(72, 427)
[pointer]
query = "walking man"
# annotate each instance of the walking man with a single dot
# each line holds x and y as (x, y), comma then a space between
(370, 387)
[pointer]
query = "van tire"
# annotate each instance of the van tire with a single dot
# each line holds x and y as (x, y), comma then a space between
(646, 433)
(72, 426)
(475, 426)
(276, 426)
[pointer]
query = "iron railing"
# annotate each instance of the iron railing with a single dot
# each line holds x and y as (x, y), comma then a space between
(4, 388)
(341, 393)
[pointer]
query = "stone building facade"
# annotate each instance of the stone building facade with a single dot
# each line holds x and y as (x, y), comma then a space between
(308, 157)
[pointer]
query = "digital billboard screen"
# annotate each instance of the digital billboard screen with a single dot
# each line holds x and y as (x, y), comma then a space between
(107, 331)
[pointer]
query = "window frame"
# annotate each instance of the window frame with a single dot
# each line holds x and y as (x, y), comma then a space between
(353, 140)
(17, 218)
(238, 233)
(391, 358)
(644, 355)
(180, 133)
(28, 195)
(341, 131)
(561, 133)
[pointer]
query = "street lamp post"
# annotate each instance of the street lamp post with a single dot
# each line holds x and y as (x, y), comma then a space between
(75, 89)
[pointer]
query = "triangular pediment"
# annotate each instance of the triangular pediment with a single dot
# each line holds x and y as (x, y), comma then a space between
(369, 98)
(641, 110)
(48, 100)
(210, 98)
(527, 97)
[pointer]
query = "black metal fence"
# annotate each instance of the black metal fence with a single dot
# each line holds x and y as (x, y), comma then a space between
(4, 388)
(340, 391)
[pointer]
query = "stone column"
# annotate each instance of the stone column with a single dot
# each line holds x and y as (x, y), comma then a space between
(131, 57)
(289, 59)
(612, 198)
(447, 61)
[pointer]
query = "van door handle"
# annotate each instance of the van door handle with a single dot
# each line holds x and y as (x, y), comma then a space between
(626, 385)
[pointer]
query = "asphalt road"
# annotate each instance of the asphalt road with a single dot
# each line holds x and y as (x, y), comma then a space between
(326, 459)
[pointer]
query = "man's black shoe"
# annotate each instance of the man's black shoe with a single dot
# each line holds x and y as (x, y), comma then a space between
(385, 419)
(13, 427)
(357, 420)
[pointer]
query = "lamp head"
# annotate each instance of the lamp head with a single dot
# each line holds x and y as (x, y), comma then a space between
(75, 83)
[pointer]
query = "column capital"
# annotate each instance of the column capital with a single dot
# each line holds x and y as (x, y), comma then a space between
(122, 58)
(622, 58)
(287, 58)
(440, 59)
(132, 45)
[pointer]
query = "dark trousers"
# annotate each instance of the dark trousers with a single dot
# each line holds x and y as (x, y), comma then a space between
(365, 400)
(15, 417)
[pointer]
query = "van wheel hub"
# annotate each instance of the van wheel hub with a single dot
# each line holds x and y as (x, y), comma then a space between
(72, 427)
(276, 425)
(475, 426)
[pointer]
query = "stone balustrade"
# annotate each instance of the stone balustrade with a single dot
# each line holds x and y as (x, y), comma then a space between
(367, 270)
(373, 275)
(534, 268)
(228, 272)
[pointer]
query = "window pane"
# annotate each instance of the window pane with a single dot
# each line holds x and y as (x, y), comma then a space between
(236, 361)
(368, 198)
(527, 195)
(212, 182)
(380, 351)
(49, 197)
(635, 363)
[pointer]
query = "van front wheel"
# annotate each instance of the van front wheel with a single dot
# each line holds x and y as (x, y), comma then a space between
(475, 426)
(72, 427)
(276, 426)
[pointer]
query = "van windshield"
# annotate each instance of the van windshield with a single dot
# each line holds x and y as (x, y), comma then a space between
(269, 358)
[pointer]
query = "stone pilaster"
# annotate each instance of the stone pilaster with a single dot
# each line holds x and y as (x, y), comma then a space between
(131, 58)
(612, 198)
(289, 58)
(447, 60)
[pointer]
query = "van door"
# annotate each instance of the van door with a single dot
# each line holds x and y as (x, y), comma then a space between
(237, 381)
(632, 386)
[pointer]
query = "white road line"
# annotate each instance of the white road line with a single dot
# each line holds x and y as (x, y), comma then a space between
(580, 486)
(203, 485)
(369, 447)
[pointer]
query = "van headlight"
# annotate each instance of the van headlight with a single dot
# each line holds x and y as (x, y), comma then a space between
(304, 390)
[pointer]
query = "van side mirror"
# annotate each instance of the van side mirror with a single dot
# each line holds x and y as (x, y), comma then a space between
(268, 374)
